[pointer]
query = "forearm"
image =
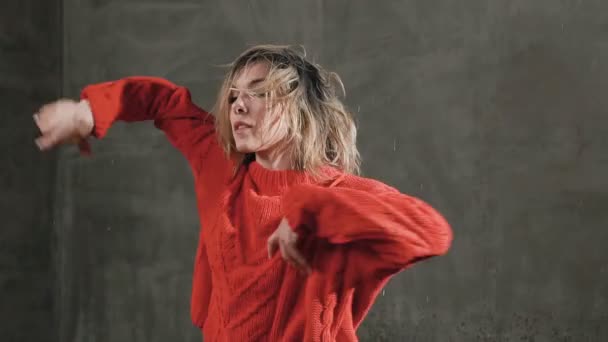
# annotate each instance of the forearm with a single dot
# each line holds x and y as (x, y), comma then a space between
(138, 99)
(189, 128)
(397, 227)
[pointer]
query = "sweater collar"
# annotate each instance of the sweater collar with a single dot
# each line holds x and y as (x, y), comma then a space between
(273, 182)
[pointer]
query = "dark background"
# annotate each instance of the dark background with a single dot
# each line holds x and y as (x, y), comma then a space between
(492, 111)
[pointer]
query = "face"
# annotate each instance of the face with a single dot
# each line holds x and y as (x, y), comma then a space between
(254, 128)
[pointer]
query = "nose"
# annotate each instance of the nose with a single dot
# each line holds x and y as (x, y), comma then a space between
(238, 106)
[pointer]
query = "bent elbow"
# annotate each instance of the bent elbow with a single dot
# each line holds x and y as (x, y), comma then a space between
(434, 240)
(443, 242)
(440, 236)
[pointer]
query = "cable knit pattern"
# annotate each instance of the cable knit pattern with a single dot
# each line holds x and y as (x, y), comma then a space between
(355, 232)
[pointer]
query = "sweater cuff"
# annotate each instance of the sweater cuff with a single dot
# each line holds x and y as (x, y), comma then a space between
(300, 208)
(100, 106)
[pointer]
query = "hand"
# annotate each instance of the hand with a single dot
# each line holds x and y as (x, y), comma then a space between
(285, 239)
(64, 121)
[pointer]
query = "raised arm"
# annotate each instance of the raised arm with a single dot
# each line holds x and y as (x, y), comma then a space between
(188, 127)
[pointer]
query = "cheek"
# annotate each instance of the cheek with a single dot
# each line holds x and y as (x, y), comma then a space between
(258, 117)
(267, 123)
(274, 132)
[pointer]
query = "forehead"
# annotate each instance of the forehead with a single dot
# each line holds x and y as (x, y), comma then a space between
(251, 72)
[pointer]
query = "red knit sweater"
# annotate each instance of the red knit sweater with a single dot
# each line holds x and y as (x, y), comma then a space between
(356, 232)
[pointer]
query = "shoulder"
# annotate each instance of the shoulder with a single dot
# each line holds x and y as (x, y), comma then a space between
(365, 184)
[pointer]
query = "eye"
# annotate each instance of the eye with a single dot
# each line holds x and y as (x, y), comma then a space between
(231, 99)
(258, 94)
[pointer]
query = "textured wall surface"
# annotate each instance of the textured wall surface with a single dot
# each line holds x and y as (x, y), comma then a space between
(30, 66)
(492, 111)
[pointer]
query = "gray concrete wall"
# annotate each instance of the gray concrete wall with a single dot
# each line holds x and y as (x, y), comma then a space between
(30, 65)
(493, 111)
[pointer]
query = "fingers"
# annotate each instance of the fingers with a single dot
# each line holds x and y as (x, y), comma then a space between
(42, 126)
(44, 116)
(289, 253)
(285, 240)
(46, 141)
(43, 121)
(287, 256)
(273, 244)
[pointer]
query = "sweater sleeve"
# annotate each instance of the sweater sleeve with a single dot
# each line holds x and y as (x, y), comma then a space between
(187, 126)
(395, 228)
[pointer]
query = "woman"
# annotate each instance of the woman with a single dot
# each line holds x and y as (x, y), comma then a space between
(294, 246)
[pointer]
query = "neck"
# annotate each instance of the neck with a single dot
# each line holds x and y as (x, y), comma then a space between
(273, 160)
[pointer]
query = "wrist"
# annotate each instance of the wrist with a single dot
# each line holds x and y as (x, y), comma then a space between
(84, 118)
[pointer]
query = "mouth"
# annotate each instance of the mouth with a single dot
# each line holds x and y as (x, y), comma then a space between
(240, 126)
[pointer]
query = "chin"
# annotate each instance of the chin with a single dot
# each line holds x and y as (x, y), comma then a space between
(244, 148)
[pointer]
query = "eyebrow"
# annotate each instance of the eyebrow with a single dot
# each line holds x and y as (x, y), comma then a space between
(251, 83)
